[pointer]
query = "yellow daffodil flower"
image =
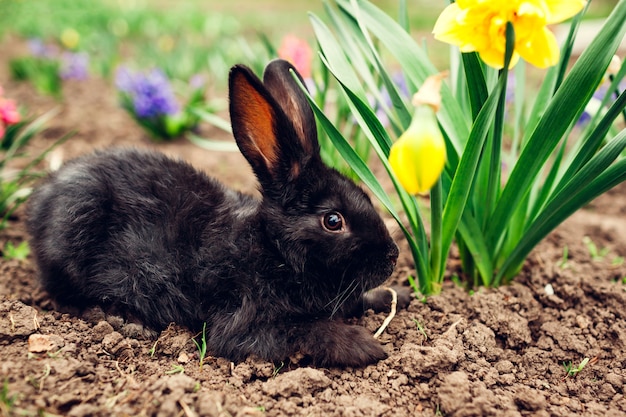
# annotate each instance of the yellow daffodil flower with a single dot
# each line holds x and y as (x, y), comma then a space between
(480, 26)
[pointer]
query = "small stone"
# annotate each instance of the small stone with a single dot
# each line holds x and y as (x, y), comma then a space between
(583, 321)
(115, 344)
(38, 343)
(183, 358)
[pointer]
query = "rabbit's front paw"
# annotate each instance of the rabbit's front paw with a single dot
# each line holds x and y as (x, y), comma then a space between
(342, 345)
(380, 299)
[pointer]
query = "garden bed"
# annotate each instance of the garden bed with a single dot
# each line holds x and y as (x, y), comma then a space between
(494, 352)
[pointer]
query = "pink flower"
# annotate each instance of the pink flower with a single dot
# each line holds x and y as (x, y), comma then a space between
(8, 113)
(298, 52)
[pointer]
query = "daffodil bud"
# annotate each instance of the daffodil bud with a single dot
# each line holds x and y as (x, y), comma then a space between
(419, 155)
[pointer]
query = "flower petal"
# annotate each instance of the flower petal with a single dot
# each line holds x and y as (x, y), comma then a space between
(560, 10)
(495, 58)
(542, 50)
(446, 27)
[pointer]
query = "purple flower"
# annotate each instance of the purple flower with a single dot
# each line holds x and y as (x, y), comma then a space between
(41, 50)
(124, 80)
(151, 93)
(511, 84)
(74, 65)
(592, 107)
(197, 82)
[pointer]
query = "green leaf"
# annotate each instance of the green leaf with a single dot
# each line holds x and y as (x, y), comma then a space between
(362, 57)
(396, 100)
(593, 142)
(19, 252)
(566, 51)
(212, 119)
(403, 16)
(476, 84)
(212, 144)
(464, 176)
(475, 243)
(336, 59)
(415, 63)
(595, 178)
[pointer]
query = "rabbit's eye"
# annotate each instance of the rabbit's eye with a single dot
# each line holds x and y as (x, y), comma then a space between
(333, 221)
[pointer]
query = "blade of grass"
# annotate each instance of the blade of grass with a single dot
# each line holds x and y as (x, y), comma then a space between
(211, 144)
(213, 119)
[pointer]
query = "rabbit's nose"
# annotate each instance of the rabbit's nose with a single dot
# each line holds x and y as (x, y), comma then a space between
(392, 253)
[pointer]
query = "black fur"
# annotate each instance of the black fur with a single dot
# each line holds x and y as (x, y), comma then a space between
(162, 242)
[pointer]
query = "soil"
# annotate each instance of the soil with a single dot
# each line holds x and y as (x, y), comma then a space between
(494, 352)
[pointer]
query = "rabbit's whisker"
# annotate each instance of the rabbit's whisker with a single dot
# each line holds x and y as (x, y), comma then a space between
(341, 298)
(333, 300)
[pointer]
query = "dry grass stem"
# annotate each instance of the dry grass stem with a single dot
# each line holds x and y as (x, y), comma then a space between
(188, 411)
(392, 313)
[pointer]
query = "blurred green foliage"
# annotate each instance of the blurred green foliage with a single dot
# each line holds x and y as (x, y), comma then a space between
(188, 36)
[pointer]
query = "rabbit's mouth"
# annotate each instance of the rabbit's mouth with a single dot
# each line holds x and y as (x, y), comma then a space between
(393, 261)
(376, 268)
(392, 256)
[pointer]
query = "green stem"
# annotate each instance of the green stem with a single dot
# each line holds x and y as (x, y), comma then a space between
(436, 245)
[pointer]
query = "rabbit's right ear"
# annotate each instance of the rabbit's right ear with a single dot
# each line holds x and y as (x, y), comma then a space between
(253, 119)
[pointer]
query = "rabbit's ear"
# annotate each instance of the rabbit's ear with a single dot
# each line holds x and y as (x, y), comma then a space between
(273, 123)
(253, 120)
(278, 79)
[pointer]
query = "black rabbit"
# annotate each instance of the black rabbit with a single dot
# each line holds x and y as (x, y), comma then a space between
(161, 242)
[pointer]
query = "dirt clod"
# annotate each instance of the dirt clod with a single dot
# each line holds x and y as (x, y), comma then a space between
(296, 383)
